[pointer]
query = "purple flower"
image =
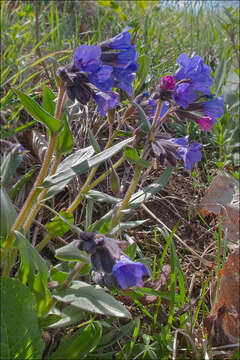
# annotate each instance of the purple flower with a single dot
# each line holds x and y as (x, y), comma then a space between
(102, 78)
(205, 123)
(195, 76)
(87, 58)
(184, 94)
(129, 273)
(105, 101)
(120, 41)
(97, 69)
(189, 153)
(214, 107)
(123, 60)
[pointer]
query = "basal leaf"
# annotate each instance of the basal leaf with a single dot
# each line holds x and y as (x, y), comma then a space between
(10, 164)
(89, 298)
(80, 343)
(8, 213)
(21, 337)
(33, 270)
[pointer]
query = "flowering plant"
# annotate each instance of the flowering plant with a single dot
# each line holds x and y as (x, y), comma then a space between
(98, 73)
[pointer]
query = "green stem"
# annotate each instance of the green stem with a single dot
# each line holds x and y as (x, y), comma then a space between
(37, 206)
(126, 199)
(35, 190)
(158, 110)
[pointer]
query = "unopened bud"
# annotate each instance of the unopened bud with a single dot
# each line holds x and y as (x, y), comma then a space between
(114, 182)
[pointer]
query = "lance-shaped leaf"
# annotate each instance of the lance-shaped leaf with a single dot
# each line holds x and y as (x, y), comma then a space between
(135, 201)
(37, 112)
(71, 252)
(8, 213)
(20, 333)
(10, 164)
(132, 155)
(33, 271)
(146, 126)
(89, 298)
(80, 343)
(57, 227)
(83, 165)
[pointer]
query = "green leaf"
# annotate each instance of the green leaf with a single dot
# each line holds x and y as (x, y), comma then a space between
(131, 251)
(71, 252)
(80, 343)
(143, 195)
(57, 227)
(86, 297)
(136, 200)
(220, 75)
(65, 139)
(65, 175)
(127, 225)
(143, 70)
(115, 334)
(37, 112)
(93, 142)
(48, 103)
(8, 213)
(74, 228)
(66, 165)
(101, 197)
(68, 316)
(33, 270)
(10, 164)
(21, 182)
(21, 337)
(132, 155)
(146, 126)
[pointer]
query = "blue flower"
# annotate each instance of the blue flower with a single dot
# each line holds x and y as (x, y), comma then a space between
(97, 69)
(102, 78)
(87, 58)
(120, 41)
(184, 95)
(105, 101)
(189, 153)
(123, 61)
(214, 107)
(129, 273)
(194, 73)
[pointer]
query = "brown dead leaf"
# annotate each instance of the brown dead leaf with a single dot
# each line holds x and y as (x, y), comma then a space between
(230, 221)
(222, 199)
(222, 191)
(224, 323)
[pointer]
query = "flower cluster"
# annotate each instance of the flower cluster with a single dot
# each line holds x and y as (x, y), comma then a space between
(111, 267)
(186, 95)
(189, 91)
(96, 69)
